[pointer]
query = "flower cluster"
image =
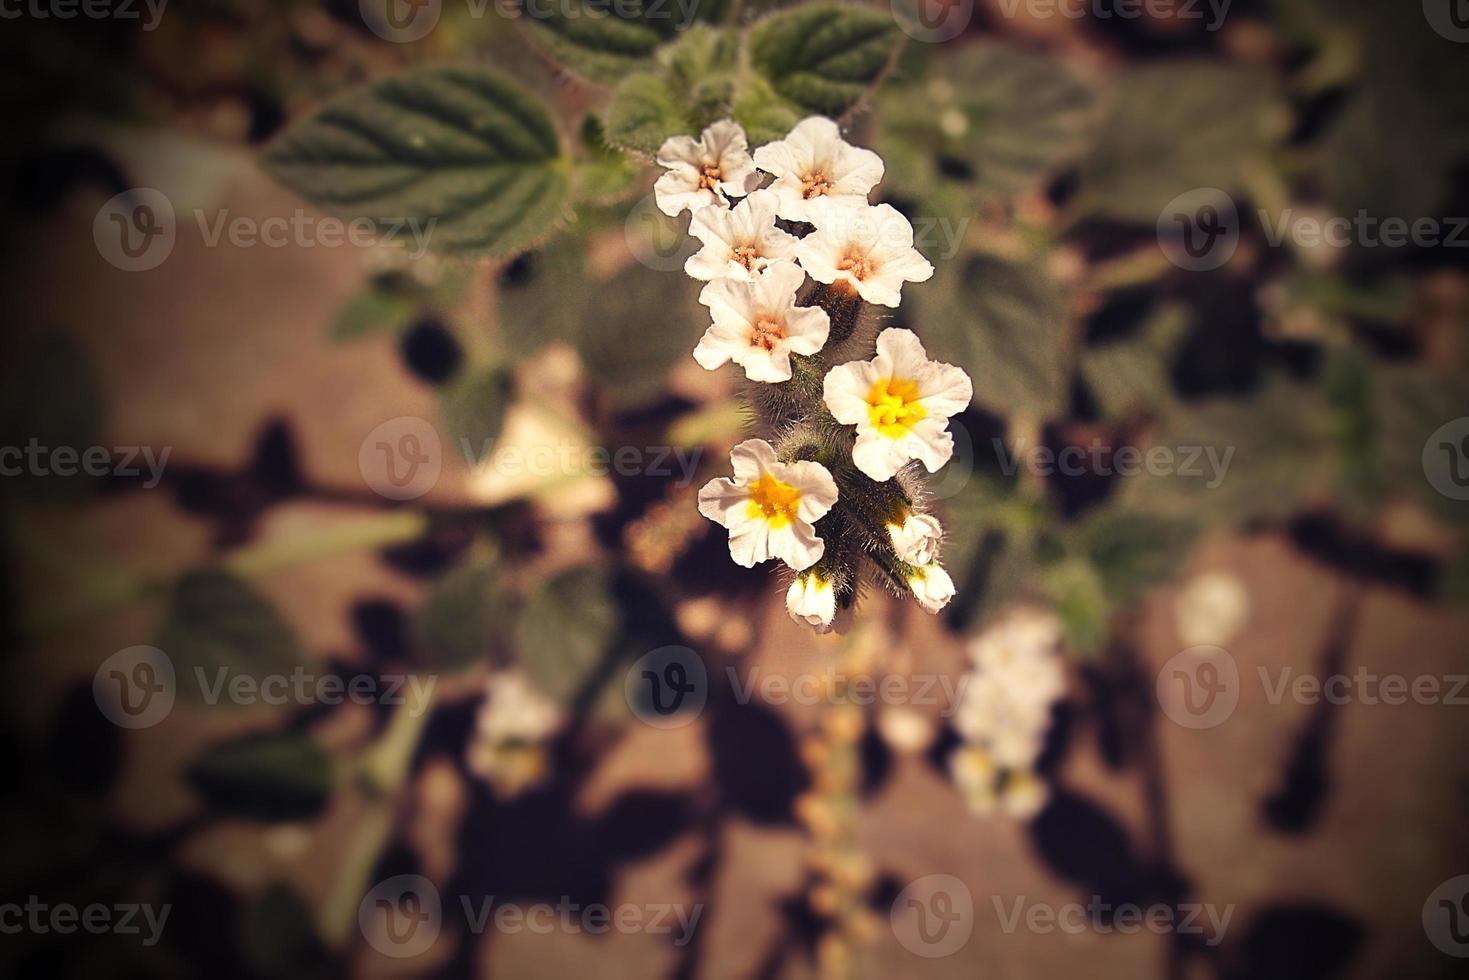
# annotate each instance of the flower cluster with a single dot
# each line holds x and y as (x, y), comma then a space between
(795, 259)
(514, 721)
(1005, 711)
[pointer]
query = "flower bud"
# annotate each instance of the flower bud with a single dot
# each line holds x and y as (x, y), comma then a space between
(931, 586)
(812, 600)
(916, 539)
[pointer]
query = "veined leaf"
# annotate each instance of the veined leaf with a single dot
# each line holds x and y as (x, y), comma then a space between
(604, 42)
(457, 154)
(688, 86)
(823, 58)
(217, 623)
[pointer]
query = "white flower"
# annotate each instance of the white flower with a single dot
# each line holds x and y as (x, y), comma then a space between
(719, 160)
(514, 711)
(916, 539)
(868, 249)
(1025, 795)
(975, 774)
(814, 162)
(740, 242)
(769, 506)
(931, 586)
(1211, 609)
(812, 600)
(900, 402)
(758, 325)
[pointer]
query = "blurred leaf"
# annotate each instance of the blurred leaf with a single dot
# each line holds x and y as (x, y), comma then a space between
(459, 151)
(535, 305)
(217, 623)
(997, 119)
(823, 58)
(277, 937)
(50, 393)
(688, 86)
(271, 777)
(1077, 592)
(644, 113)
(603, 175)
(604, 42)
(379, 308)
(1408, 404)
(1175, 127)
(566, 628)
(1007, 325)
(474, 408)
(638, 325)
(465, 618)
(1132, 374)
(1134, 551)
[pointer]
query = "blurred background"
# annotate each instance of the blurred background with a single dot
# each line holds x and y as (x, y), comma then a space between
(343, 563)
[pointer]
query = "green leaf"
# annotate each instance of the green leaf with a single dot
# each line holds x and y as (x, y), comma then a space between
(1076, 591)
(644, 113)
(688, 86)
(459, 154)
(217, 623)
(1407, 405)
(1176, 127)
(997, 120)
(382, 307)
(271, 777)
(474, 407)
(535, 305)
(566, 630)
(823, 58)
(638, 325)
(1134, 551)
(1132, 374)
(604, 41)
(1007, 325)
(604, 175)
(465, 619)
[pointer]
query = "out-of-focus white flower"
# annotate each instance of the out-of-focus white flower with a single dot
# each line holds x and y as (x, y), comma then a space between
(769, 507)
(932, 586)
(916, 538)
(869, 249)
(905, 729)
(814, 163)
(739, 242)
(507, 749)
(758, 325)
(975, 774)
(812, 600)
(1211, 610)
(700, 169)
(900, 402)
(1024, 795)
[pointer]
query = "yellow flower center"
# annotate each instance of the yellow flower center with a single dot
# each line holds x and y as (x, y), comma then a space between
(746, 255)
(893, 407)
(856, 266)
(814, 185)
(773, 501)
(767, 333)
(710, 178)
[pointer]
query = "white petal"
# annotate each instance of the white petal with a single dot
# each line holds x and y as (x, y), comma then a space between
(807, 328)
(877, 455)
(818, 489)
(718, 499)
(944, 389)
(752, 458)
(845, 388)
(901, 355)
(680, 149)
(765, 366)
(797, 544)
(750, 543)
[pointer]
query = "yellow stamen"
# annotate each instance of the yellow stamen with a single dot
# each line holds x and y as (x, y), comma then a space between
(856, 266)
(746, 255)
(710, 178)
(767, 333)
(814, 185)
(774, 501)
(893, 407)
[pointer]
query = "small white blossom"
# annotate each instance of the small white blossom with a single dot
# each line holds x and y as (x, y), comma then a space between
(932, 586)
(758, 325)
(869, 249)
(813, 162)
(739, 242)
(916, 539)
(514, 710)
(698, 170)
(812, 600)
(900, 402)
(1211, 609)
(1025, 794)
(769, 507)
